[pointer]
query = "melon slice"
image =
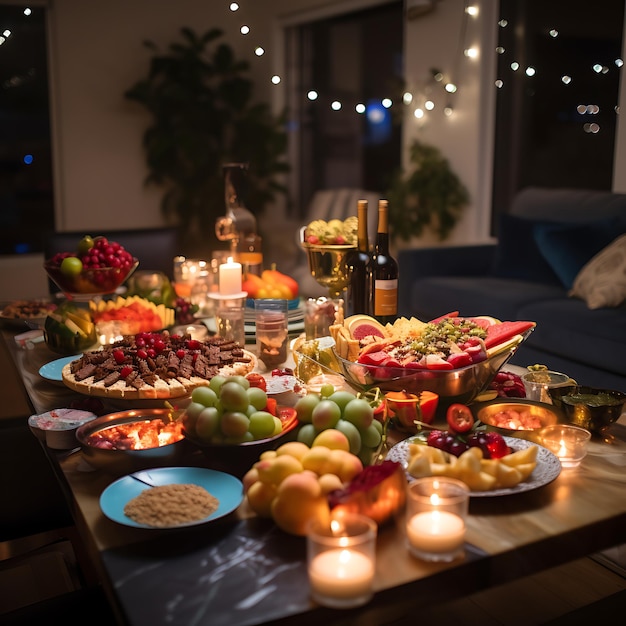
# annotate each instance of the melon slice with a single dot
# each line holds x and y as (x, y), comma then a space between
(361, 326)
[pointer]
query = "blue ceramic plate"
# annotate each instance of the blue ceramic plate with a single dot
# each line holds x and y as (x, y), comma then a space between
(226, 488)
(52, 371)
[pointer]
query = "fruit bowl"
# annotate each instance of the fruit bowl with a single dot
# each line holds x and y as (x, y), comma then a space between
(238, 458)
(122, 459)
(592, 408)
(456, 385)
(90, 281)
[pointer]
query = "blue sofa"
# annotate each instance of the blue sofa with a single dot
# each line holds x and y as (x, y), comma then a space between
(546, 238)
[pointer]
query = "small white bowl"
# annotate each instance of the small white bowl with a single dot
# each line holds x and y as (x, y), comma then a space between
(57, 428)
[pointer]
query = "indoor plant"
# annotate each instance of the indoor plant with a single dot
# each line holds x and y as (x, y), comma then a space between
(203, 116)
(429, 196)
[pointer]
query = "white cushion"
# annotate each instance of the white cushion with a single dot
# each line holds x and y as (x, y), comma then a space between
(602, 281)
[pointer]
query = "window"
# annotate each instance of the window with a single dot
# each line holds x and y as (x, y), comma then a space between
(348, 60)
(556, 127)
(26, 193)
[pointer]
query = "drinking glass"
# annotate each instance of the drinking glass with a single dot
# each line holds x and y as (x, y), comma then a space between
(229, 320)
(272, 330)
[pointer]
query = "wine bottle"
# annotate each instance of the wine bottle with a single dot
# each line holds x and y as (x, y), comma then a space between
(359, 294)
(384, 271)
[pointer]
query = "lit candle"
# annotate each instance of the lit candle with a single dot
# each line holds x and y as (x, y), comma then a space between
(230, 278)
(341, 573)
(436, 532)
(568, 443)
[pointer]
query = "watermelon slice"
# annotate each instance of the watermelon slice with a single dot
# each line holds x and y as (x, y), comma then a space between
(503, 332)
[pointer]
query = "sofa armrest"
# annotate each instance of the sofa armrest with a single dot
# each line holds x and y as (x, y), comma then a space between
(475, 260)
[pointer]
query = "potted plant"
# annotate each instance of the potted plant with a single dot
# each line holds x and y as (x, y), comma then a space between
(429, 196)
(203, 116)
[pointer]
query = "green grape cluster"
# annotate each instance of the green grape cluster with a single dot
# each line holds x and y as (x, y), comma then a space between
(229, 411)
(344, 411)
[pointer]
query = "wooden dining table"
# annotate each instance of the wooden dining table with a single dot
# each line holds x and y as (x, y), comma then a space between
(241, 569)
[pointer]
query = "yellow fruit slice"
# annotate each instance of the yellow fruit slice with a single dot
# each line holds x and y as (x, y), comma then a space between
(86, 325)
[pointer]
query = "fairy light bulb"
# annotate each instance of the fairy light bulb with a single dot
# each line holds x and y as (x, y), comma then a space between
(244, 30)
(233, 7)
(275, 79)
(335, 105)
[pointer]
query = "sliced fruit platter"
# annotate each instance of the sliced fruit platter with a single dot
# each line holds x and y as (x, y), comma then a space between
(453, 356)
(132, 315)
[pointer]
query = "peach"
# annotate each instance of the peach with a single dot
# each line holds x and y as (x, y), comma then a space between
(333, 439)
(346, 465)
(299, 500)
(330, 482)
(317, 460)
(275, 470)
(296, 449)
(249, 478)
(268, 454)
(260, 497)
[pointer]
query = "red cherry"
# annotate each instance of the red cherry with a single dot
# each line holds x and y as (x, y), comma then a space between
(151, 352)
(180, 353)
(125, 371)
(496, 445)
(142, 354)
(118, 355)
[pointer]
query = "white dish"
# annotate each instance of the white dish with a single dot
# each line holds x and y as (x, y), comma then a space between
(548, 467)
(52, 371)
(226, 488)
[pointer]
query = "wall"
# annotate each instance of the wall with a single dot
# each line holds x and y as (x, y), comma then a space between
(96, 53)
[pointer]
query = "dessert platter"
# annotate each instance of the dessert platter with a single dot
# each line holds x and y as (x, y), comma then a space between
(155, 366)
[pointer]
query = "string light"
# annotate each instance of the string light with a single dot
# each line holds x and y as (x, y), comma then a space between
(420, 93)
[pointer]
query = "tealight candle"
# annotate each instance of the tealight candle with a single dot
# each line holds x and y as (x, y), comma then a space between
(567, 442)
(341, 561)
(230, 278)
(435, 518)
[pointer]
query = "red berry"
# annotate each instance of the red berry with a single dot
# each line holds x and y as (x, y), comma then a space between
(180, 353)
(496, 445)
(125, 371)
(118, 355)
(142, 354)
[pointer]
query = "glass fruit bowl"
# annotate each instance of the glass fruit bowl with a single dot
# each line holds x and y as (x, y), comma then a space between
(90, 281)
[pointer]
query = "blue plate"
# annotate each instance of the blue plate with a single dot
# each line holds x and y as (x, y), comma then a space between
(291, 304)
(226, 488)
(52, 371)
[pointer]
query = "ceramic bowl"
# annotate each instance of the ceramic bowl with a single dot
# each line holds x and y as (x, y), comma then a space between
(592, 408)
(121, 460)
(91, 280)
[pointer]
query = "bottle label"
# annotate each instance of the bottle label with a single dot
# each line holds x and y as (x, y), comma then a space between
(386, 297)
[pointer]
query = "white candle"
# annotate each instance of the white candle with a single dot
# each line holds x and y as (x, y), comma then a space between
(436, 532)
(230, 278)
(341, 573)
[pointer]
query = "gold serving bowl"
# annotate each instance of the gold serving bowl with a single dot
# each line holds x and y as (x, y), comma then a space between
(592, 408)
(328, 266)
(90, 281)
(517, 417)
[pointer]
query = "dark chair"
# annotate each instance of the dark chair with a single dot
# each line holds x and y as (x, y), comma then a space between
(154, 247)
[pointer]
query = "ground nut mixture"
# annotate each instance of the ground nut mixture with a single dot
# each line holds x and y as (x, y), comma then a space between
(170, 505)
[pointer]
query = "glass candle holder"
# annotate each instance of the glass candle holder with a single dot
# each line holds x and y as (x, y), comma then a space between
(341, 560)
(230, 319)
(435, 518)
(569, 443)
(320, 314)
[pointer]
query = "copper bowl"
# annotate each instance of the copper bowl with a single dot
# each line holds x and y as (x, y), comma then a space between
(90, 281)
(125, 461)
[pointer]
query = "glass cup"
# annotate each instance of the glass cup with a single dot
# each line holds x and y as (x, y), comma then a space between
(435, 518)
(320, 314)
(569, 443)
(229, 320)
(341, 560)
(272, 331)
(537, 384)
